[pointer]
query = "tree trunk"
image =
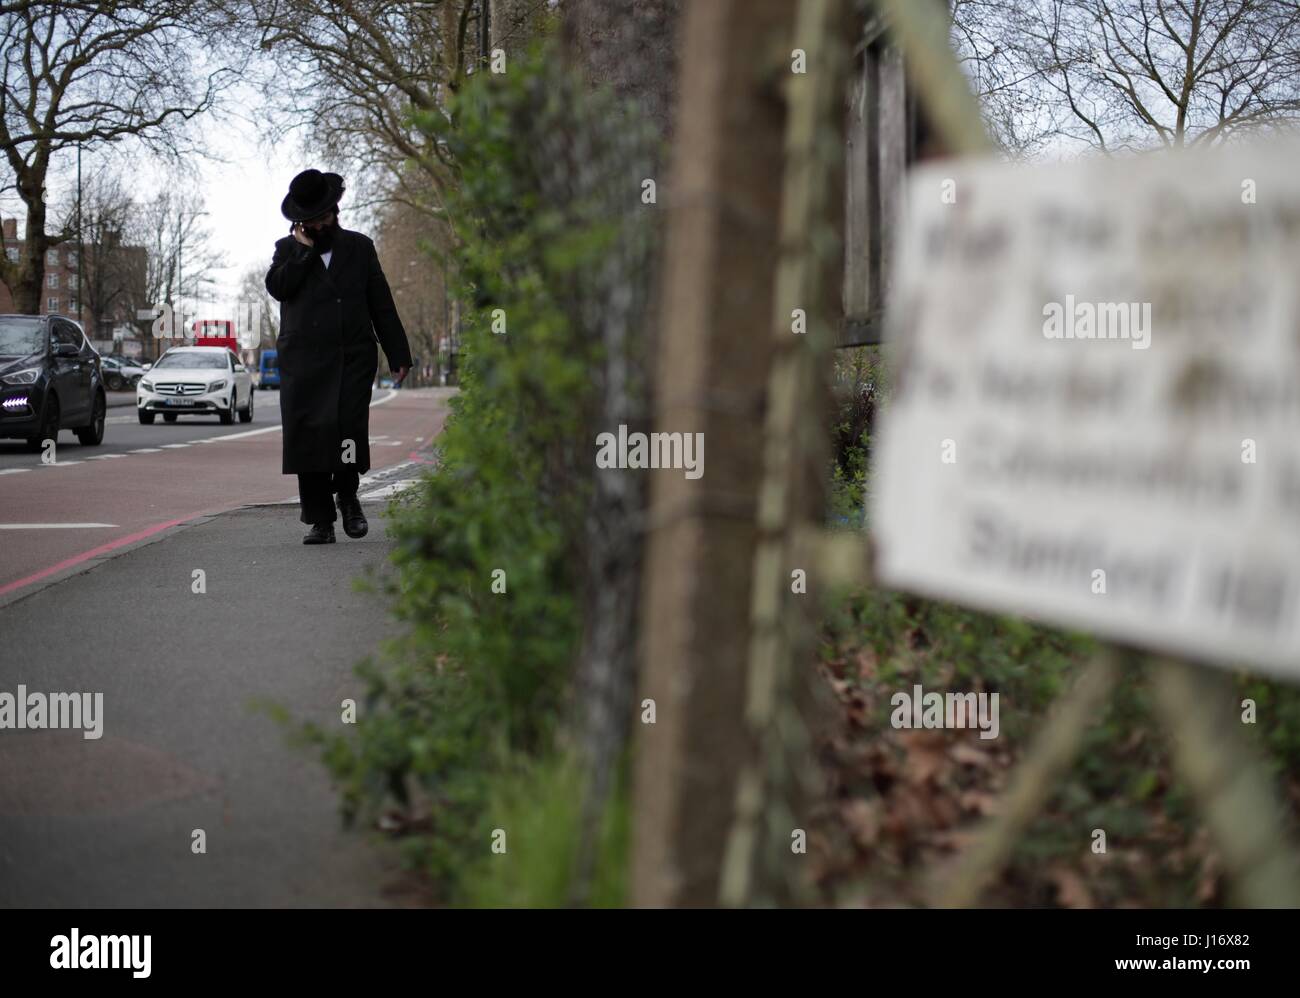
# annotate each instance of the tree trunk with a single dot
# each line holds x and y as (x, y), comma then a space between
(610, 41)
(26, 284)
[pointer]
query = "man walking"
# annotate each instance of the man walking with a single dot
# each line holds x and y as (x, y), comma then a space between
(335, 307)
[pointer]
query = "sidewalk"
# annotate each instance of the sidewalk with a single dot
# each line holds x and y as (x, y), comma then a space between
(110, 822)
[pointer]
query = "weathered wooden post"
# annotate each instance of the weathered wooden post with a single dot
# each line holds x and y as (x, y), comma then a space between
(880, 142)
(721, 255)
(763, 863)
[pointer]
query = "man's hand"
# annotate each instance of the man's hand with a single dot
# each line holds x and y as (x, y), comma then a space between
(300, 235)
(400, 376)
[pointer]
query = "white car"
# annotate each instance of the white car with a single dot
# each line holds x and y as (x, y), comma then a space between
(196, 381)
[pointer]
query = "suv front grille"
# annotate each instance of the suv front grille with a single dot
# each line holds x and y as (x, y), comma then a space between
(179, 388)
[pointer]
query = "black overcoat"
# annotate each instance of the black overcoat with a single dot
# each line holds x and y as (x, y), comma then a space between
(331, 321)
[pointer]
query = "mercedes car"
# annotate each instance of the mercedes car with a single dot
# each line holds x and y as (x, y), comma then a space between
(196, 381)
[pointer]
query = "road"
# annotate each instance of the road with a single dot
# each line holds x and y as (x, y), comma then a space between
(112, 610)
(146, 479)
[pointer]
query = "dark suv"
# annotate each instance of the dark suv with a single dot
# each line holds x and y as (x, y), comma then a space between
(50, 379)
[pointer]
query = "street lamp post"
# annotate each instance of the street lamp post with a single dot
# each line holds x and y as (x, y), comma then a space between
(81, 260)
(180, 255)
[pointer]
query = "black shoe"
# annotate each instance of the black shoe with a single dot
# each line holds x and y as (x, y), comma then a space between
(354, 521)
(320, 533)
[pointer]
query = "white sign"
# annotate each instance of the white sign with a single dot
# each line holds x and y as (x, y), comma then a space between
(1097, 410)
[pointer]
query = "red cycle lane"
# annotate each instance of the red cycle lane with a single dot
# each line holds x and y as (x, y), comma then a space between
(144, 496)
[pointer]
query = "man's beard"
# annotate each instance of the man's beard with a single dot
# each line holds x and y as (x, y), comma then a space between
(322, 239)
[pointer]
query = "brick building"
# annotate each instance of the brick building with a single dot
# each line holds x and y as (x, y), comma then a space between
(62, 290)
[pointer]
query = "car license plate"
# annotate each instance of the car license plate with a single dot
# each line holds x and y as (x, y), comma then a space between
(179, 402)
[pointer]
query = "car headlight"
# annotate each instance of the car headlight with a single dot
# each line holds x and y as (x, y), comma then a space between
(146, 385)
(216, 386)
(26, 377)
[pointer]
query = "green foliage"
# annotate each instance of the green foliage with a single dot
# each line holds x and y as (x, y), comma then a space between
(856, 389)
(1277, 720)
(538, 804)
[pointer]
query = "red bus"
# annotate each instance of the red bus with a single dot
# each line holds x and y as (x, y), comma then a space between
(216, 333)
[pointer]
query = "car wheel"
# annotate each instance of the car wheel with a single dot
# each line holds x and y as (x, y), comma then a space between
(169, 417)
(228, 416)
(92, 435)
(146, 418)
(114, 383)
(246, 416)
(49, 425)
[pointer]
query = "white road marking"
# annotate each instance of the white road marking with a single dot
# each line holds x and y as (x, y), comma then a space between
(392, 394)
(241, 436)
(384, 472)
(369, 479)
(389, 490)
(52, 526)
(266, 429)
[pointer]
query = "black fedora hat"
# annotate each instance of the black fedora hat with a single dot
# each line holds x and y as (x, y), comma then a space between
(311, 193)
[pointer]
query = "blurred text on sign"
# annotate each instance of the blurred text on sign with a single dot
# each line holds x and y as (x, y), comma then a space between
(1097, 409)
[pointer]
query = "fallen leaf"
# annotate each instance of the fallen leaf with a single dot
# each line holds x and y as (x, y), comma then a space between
(926, 755)
(863, 820)
(979, 802)
(968, 755)
(867, 664)
(1071, 891)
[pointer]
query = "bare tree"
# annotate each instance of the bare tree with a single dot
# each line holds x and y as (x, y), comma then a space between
(181, 260)
(112, 283)
(252, 291)
(75, 72)
(1129, 74)
(1016, 107)
(414, 251)
(352, 74)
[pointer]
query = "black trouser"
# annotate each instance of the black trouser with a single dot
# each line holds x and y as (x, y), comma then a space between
(316, 493)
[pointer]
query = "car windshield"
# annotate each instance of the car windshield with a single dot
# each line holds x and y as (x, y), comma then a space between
(20, 335)
(192, 359)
